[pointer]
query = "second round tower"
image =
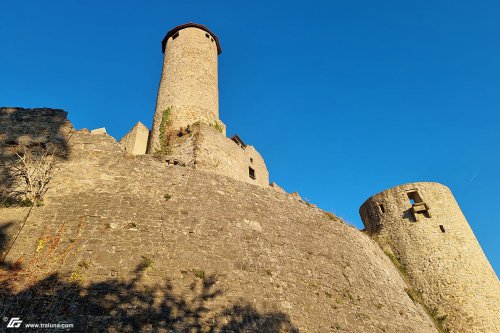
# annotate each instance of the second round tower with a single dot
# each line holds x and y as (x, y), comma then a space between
(422, 228)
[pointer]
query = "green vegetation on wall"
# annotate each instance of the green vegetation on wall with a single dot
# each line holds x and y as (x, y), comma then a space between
(414, 294)
(164, 144)
(217, 126)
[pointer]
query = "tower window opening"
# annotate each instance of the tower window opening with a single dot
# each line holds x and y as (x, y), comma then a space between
(251, 172)
(442, 228)
(251, 160)
(212, 40)
(381, 208)
(175, 35)
(414, 197)
(207, 35)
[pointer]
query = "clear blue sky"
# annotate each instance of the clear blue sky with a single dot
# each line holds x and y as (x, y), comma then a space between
(343, 98)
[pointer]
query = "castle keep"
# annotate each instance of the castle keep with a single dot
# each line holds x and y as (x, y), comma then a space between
(188, 91)
(186, 125)
(421, 226)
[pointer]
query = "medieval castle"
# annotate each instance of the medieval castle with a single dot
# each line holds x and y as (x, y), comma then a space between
(177, 196)
(186, 124)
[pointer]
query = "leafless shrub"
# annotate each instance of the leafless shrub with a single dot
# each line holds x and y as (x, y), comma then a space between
(31, 173)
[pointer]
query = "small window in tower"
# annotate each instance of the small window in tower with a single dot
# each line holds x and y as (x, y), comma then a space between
(414, 197)
(175, 35)
(251, 172)
(442, 228)
(381, 208)
(207, 35)
(251, 160)
(212, 40)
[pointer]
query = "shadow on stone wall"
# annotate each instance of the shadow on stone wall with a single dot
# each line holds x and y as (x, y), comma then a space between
(42, 131)
(129, 306)
(35, 294)
(4, 240)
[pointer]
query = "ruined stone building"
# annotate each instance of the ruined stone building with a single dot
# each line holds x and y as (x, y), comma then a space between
(177, 230)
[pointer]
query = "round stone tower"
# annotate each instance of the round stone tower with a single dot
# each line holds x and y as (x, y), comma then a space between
(188, 90)
(421, 227)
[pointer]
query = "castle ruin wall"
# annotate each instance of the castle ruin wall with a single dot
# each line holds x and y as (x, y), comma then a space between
(207, 149)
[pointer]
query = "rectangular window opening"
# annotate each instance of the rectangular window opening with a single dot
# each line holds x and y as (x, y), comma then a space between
(175, 35)
(414, 197)
(251, 172)
(381, 208)
(207, 35)
(251, 160)
(442, 228)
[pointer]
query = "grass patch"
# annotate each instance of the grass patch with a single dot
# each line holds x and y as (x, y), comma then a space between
(416, 295)
(167, 196)
(146, 263)
(85, 264)
(439, 319)
(77, 277)
(217, 126)
(199, 273)
(395, 260)
(331, 216)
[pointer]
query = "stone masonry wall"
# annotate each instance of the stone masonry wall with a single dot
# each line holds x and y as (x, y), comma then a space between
(113, 226)
(136, 140)
(224, 156)
(42, 127)
(440, 254)
(207, 149)
(188, 84)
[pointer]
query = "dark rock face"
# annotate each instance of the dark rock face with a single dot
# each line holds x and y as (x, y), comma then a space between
(33, 125)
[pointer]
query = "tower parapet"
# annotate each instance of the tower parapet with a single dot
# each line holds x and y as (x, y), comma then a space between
(422, 227)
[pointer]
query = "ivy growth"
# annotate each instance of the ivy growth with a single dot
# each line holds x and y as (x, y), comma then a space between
(165, 122)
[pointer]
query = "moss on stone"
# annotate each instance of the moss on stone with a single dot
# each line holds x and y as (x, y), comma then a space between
(164, 144)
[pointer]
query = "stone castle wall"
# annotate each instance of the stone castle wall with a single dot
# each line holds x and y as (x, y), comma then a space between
(33, 126)
(207, 149)
(188, 84)
(114, 225)
(228, 158)
(439, 252)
